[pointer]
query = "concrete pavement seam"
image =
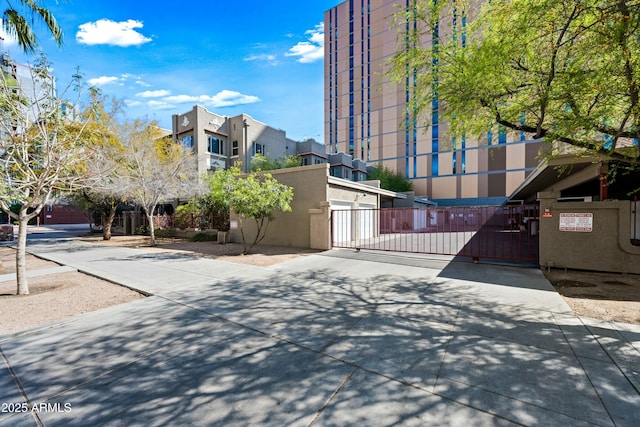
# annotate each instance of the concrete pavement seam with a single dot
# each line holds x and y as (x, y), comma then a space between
(333, 395)
(97, 276)
(20, 387)
(578, 359)
(613, 360)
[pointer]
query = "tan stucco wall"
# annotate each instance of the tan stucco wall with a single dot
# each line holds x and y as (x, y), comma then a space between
(355, 198)
(606, 248)
(308, 225)
(309, 206)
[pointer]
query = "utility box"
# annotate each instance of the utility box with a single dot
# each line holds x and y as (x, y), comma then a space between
(223, 237)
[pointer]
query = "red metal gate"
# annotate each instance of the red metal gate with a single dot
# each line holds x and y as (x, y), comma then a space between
(497, 232)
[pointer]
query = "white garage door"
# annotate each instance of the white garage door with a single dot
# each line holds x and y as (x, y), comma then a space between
(341, 221)
(366, 221)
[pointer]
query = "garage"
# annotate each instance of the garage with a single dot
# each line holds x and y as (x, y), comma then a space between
(366, 221)
(341, 219)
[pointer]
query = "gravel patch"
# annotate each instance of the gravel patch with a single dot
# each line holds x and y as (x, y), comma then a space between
(53, 297)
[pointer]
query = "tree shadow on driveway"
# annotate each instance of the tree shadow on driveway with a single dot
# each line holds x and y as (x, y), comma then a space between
(329, 346)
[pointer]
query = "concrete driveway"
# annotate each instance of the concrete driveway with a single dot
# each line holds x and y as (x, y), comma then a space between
(339, 338)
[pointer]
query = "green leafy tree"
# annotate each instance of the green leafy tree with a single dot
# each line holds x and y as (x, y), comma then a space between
(389, 180)
(265, 163)
(190, 214)
(566, 71)
(200, 211)
(17, 23)
(255, 196)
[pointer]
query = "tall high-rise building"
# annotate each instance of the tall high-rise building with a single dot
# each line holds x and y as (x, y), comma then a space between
(368, 116)
(23, 78)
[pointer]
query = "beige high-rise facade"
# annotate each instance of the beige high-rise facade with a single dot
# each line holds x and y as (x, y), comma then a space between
(365, 114)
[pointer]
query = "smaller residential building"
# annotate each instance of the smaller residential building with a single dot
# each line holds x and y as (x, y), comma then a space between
(316, 194)
(221, 142)
(346, 167)
(311, 152)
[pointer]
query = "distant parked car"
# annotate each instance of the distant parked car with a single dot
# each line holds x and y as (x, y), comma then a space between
(6, 232)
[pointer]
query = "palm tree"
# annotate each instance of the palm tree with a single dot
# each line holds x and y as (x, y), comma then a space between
(15, 24)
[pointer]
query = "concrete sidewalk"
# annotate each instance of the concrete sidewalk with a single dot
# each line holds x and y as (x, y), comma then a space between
(339, 338)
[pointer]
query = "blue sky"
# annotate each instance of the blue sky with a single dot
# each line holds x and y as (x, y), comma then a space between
(262, 58)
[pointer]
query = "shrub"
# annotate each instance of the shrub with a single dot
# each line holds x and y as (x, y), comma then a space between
(165, 232)
(204, 237)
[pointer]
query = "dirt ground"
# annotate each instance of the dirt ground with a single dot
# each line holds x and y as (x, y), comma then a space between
(53, 297)
(261, 255)
(607, 296)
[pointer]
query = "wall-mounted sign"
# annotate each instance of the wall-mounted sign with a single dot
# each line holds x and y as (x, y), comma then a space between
(582, 222)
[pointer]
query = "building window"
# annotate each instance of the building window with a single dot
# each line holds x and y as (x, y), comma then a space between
(502, 135)
(234, 148)
(259, 149)
(187, 141)
(215, 145)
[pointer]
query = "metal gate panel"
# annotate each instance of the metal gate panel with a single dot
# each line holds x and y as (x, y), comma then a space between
(496, 232)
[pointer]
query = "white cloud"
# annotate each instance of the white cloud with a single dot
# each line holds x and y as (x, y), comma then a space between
(312, 50)
(271, 59)
(7, 39)
(224, 98)
(103, 80)
(160, 105)
(105, 31)
(153, 93)
(120, 80)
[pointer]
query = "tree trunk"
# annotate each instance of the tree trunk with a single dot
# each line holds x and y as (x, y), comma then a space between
(21, 259)
(106, 226)
(260, 234)
(244, 243)
(152, 229)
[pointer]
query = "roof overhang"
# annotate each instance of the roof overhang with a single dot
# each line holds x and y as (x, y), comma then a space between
(557, 174)
(332, 180)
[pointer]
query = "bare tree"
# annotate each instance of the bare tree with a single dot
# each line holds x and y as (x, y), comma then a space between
(104, 160)
(156, 169)
(41, 147)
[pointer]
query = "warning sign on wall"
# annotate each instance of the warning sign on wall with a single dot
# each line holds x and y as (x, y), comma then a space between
(582, 222)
